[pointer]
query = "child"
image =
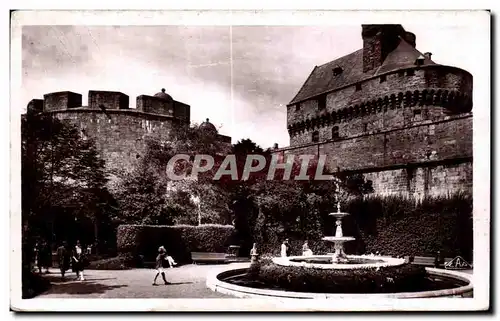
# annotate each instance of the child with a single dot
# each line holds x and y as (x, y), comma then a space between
(306, 251)
(159, 265)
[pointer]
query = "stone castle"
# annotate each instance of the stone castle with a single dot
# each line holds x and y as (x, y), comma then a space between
(389, 112)
(120, 132)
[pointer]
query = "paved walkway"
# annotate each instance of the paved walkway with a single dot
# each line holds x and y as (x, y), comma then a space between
(188, 282)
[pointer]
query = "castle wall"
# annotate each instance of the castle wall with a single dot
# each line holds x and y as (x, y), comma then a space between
(155, 105)
(108, 100)
(418, 182)
(120, 136)
(384, 156)
(61, 100)
(434, 90)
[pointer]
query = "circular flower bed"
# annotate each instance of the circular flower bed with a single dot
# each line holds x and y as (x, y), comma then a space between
(392, 279)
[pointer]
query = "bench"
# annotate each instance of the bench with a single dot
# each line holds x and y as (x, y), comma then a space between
(208, 257)
(424, 260)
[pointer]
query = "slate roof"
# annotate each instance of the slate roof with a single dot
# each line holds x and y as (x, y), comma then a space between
(322, 80)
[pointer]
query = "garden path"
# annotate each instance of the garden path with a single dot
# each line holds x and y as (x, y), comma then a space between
(188, 282)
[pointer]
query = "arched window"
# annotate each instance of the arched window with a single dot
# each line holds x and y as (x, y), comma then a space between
(315, 136)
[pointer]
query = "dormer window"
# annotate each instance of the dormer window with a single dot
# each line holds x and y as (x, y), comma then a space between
(337, 70)
(420, 60)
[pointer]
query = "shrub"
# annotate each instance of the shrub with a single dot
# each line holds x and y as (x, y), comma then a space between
(33, 284)
(405, 278)
(392, 225)
(121, 262)
(178, 240)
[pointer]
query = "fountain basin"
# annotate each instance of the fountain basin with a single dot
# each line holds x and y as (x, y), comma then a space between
(218, 281)
(324, 262)
(338, 239)
(339, 214)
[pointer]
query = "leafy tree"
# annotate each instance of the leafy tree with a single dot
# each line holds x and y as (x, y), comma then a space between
(149, 196)
(60, 173)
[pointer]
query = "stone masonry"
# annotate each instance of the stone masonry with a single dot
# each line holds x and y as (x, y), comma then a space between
(120, 133)
(390, 112)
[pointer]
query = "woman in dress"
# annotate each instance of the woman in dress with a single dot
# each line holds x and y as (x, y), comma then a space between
(78, 261)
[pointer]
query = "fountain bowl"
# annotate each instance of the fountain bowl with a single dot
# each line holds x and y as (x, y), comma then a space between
(339, 214)
(338, 239)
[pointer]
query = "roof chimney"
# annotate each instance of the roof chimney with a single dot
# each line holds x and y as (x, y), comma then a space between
(378, 42)
(275, 145)
(428, 55)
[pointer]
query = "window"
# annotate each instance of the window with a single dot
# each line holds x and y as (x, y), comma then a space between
(297, 107)
(358, 87)
(410, 72)
(335, 132)
(365, 127)
(383, 78)
(322, 102)
(337, 71)
(315, 137)
(417, 112)
(401, 73)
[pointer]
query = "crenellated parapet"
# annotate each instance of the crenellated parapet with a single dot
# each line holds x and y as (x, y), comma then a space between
(161, 105)
(453, 101)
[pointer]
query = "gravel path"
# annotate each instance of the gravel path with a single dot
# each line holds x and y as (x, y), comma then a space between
(188, 281)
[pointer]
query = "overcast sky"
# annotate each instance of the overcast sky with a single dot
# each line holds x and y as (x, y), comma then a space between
(193, 64)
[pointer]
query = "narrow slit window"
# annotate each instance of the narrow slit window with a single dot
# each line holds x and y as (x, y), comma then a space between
(315, 137)
(335, 132)
(322, 102)
(297, 107)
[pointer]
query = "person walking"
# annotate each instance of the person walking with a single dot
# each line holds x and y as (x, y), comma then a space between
(63, 258)
(44, 257)
(78, 261)
(160, 259)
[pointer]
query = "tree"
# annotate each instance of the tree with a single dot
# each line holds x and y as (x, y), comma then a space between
(149, 196)
(60, 173)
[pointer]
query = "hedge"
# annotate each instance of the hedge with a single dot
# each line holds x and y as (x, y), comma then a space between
(396, 226)
(179, 240)
(121, 262)
(404, 278)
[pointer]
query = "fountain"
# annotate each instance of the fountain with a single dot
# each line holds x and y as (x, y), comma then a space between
(339, 239)
(439, 282)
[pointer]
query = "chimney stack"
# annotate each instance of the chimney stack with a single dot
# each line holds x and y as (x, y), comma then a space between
(275, 145)
(379, 41)
(428, 55)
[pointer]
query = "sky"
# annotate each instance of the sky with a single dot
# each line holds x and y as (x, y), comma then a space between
(240, 77)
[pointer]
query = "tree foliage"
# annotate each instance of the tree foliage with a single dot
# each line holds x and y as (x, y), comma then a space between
(60, 172)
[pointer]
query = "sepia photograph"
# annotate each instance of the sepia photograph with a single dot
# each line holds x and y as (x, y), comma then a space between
(250, 160)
